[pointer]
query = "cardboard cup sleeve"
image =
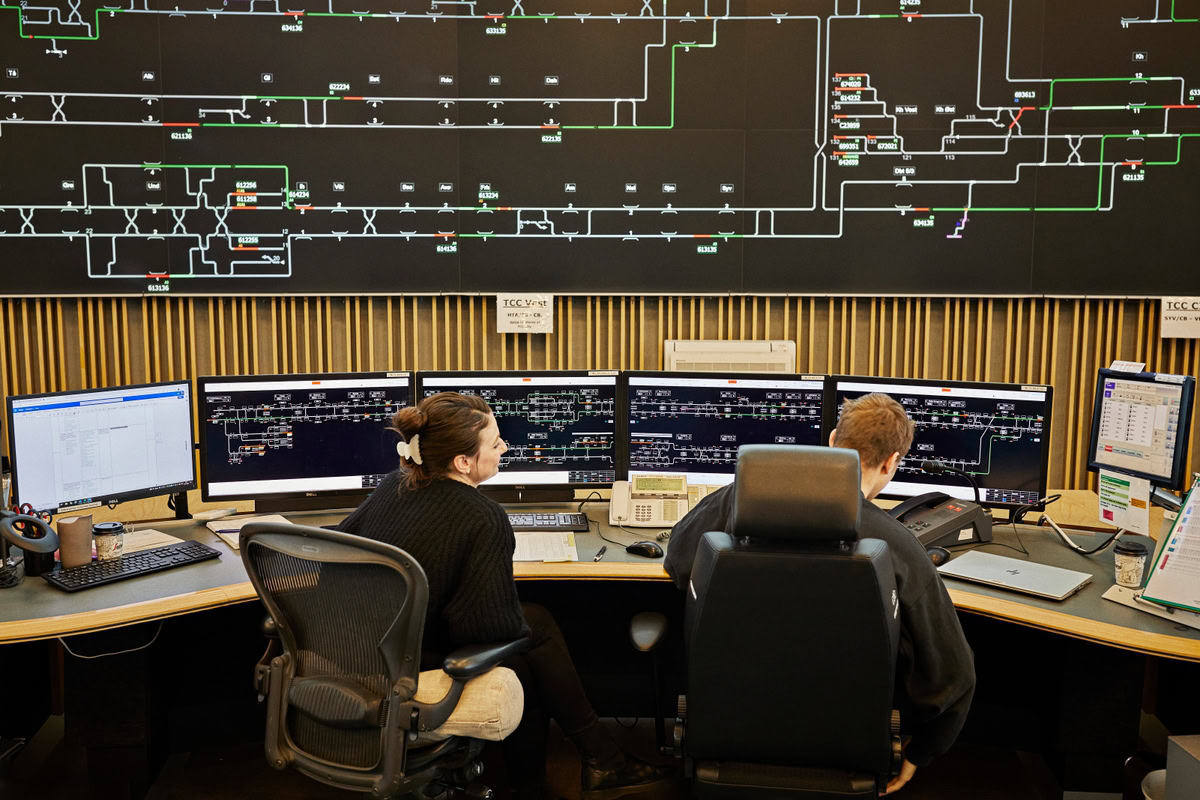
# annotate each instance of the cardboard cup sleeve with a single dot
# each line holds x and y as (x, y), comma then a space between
(75, 541)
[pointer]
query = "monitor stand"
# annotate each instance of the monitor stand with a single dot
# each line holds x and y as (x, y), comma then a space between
(519, 494)
(179, 503)
(1163, 499)
(280, 505)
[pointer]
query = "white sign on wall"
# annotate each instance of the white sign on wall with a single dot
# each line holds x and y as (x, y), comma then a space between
(524, 313)
(1180, 318)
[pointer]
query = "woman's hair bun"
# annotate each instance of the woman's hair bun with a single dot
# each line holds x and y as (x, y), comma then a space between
(409, 421)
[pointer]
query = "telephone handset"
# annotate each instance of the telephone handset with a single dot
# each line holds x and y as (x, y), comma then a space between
(901, 510)
(649, 501)
(939, 519)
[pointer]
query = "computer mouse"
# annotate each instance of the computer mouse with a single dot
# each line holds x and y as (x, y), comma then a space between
(645, 549)
(938, 555)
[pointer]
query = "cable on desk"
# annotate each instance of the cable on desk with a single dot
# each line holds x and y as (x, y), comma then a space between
(11, 571)
(1018, 513)
(1071, 544)
(67, 647)
(594, 494)
(972, 546)
(1016, 516)
(600, 533)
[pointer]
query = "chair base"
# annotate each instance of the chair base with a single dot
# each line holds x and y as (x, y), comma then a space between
(731, 780)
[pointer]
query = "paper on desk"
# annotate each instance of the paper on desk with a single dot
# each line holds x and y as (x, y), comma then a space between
(229, 527)
(543, 546)
(1125, 502)
(145, 539)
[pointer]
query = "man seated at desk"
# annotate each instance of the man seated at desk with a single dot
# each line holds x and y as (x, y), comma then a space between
(935, 670)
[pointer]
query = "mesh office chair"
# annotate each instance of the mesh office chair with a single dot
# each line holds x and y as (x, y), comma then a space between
(345, 694)
(792, 637)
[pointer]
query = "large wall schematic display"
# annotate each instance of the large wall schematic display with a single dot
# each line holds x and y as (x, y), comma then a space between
(758, 146)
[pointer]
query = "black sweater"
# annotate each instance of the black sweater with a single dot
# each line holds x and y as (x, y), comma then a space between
(465, 544)
(935, 669)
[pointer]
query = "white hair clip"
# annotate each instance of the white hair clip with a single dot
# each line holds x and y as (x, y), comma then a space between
(410, 449)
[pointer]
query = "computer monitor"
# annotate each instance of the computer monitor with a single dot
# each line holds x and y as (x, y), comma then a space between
(83, 448)
(1141, 423)
(999, 433)
(559, 425)
(287, 437)
(694, 423)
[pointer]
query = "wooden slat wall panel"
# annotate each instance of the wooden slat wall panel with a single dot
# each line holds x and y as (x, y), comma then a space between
(56, 344)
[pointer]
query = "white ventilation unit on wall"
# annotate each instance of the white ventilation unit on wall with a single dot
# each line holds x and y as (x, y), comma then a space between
(681, 355)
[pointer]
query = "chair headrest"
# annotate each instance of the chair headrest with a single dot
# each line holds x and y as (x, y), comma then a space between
(797, 492)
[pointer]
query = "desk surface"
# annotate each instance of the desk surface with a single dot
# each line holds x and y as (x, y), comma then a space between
(35, 610)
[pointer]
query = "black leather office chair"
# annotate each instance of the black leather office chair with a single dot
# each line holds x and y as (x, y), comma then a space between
(349, 613)
(791, 625)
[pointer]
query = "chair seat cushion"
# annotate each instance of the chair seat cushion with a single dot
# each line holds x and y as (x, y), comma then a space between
(490, 706)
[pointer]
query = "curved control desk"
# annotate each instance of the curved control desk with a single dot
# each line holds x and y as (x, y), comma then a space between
(34, 610)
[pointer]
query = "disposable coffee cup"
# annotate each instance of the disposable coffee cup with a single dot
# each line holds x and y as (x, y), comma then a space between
(110, 540)
(1129, 561)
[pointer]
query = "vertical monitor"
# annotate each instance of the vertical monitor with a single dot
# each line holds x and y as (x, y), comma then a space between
(998, 433)
(560, 426)
(694, 423)
(84, 448)
(289, 436)
(1141, 423)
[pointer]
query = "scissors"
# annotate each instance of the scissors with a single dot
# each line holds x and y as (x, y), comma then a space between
(26, 510)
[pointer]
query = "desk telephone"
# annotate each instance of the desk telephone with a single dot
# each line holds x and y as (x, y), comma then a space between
(939, 519)
(653, 501)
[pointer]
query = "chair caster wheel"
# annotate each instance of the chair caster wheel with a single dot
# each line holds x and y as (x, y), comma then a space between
(477, 791)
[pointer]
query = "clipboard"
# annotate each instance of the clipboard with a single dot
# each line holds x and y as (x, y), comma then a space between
(1173, 576)
(1132, 598)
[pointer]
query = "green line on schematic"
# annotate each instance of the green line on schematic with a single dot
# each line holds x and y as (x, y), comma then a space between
(23, 35)
(1174, 19)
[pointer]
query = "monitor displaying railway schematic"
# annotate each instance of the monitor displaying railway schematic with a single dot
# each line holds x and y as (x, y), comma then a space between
(559, 425)
(693, 423)
(1141, 424)
(289, 436)
(998, 433)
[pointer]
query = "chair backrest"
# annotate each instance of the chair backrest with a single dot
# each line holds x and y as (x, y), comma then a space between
(792, 633)
(350, 613)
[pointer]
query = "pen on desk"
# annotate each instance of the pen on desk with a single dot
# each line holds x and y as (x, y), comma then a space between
(600, 553)
(228, 530)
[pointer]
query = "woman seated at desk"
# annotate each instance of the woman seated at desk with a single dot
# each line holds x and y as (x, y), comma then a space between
(431, 509)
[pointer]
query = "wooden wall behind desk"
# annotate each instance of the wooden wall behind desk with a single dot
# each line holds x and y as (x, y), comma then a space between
(55, 344)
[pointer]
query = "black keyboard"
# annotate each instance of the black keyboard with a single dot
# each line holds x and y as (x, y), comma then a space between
(129, 565)
(547, 521)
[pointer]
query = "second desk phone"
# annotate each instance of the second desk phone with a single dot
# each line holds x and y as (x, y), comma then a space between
(653, 501)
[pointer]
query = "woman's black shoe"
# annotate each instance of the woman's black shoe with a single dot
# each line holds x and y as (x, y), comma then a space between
(632, 777)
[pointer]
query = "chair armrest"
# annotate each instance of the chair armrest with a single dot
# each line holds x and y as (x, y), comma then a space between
(475, 659)
(647, 629)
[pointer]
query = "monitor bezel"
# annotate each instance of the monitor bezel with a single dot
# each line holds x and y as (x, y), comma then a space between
(1179, 466)
(1043, 472)
(624, 471)
(502, 489)
(119, 497)
(221, 498)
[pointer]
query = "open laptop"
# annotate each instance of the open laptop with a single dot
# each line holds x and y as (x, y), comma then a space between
(1029, 577)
